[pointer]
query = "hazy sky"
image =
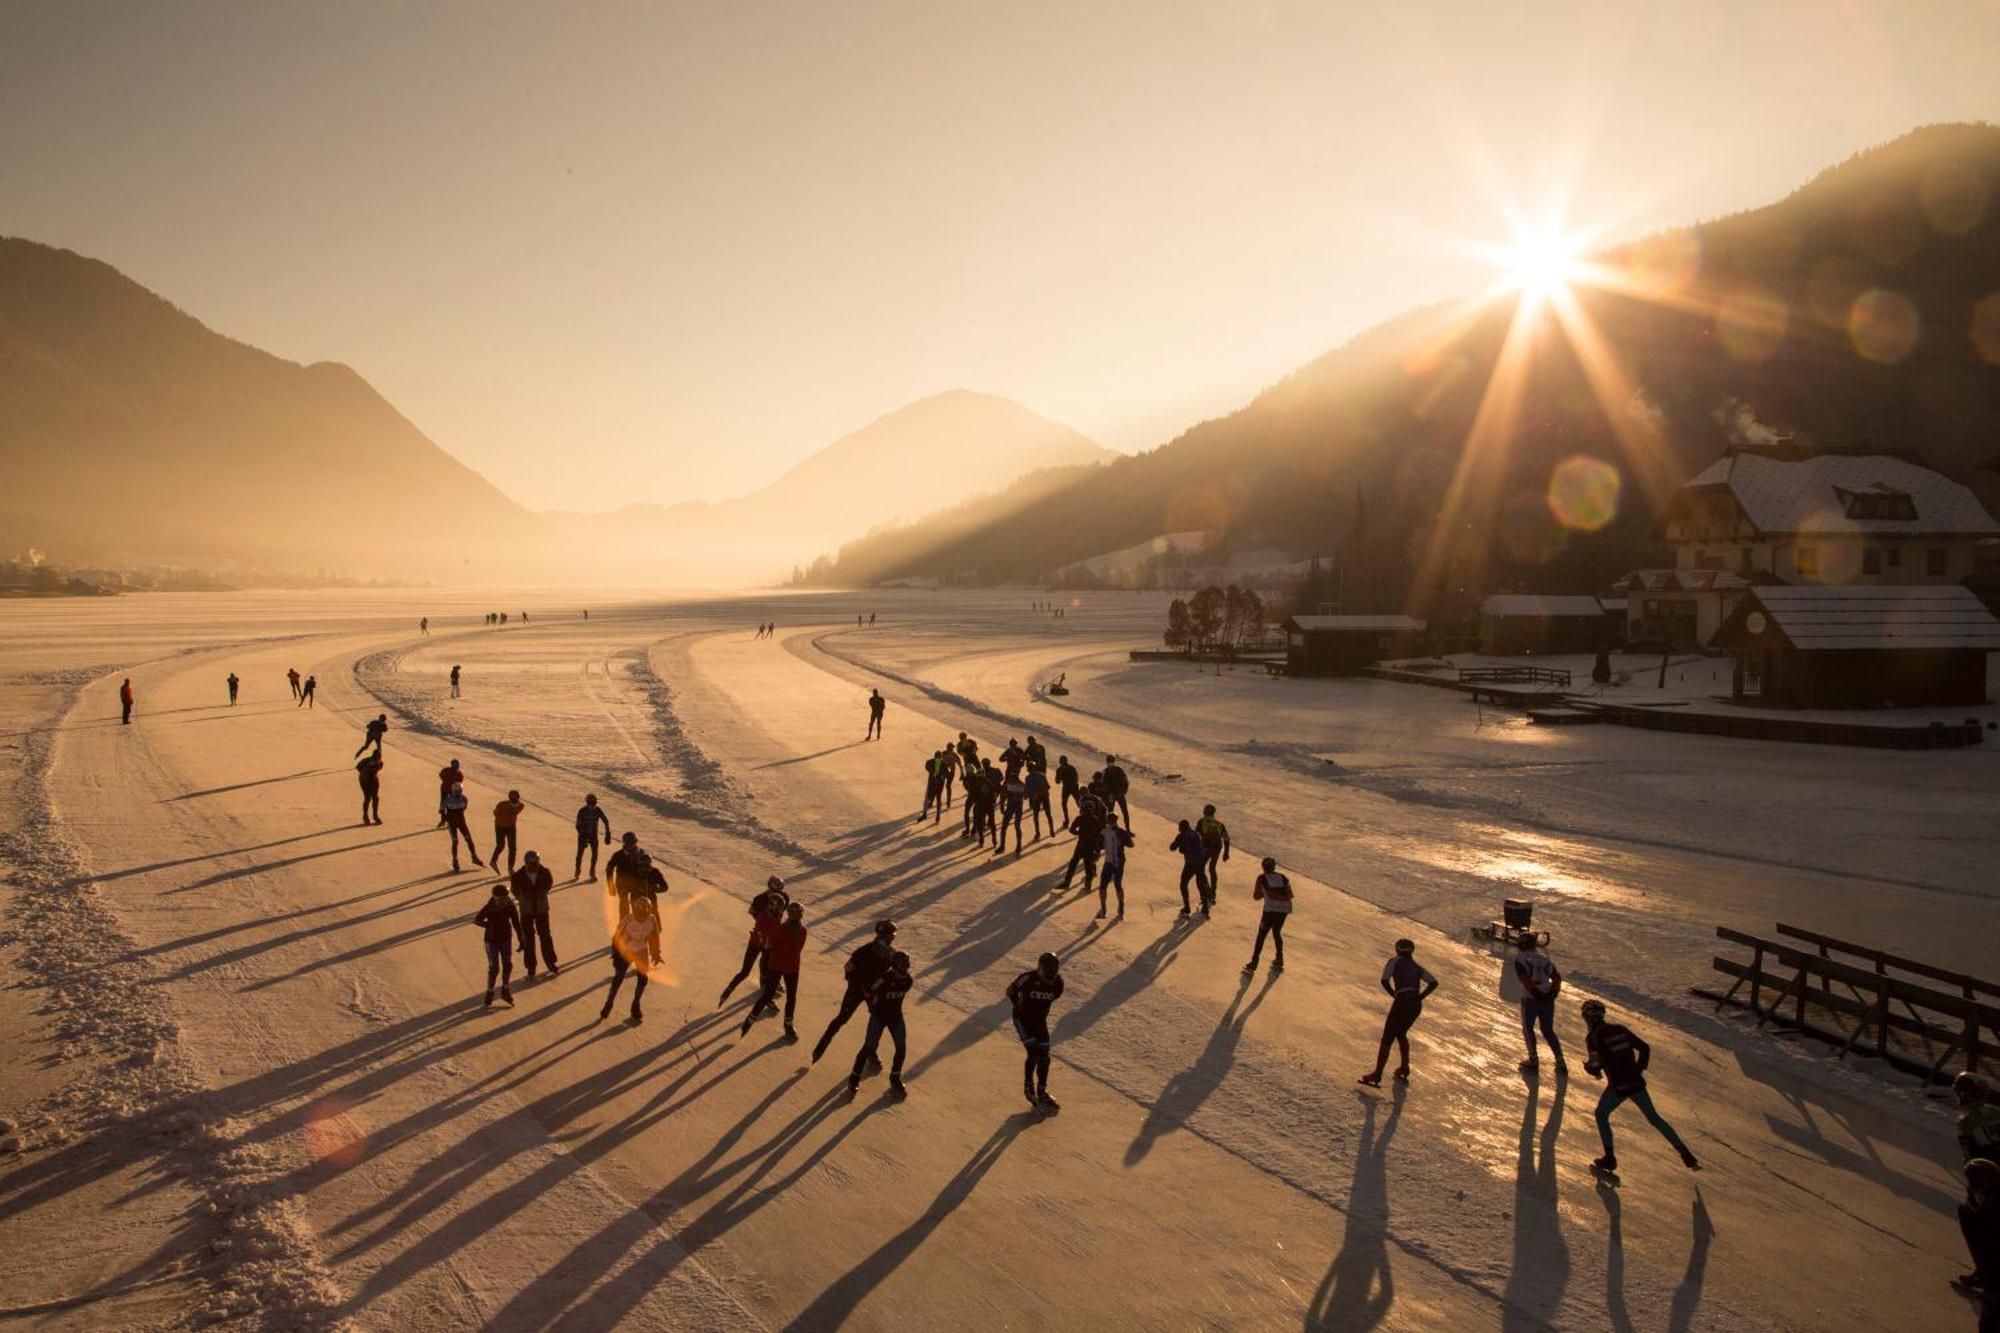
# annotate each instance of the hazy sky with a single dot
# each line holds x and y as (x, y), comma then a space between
(609, 252)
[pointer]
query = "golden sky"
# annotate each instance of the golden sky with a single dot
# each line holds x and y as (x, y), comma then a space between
(610, 252)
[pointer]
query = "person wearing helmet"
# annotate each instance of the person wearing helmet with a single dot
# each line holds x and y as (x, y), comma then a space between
(371, 737)
(1540, 984)
(1619, 1056)
(1409, 984)
(531, 884)
(501, 921)
(1978, 1117)
(454, 819)
(767, 912)
(590, 817)
(864, 968)
(885, 1014)
(1031, 994)
(635, 947)
(625, 872)
(1979, 1220)
(1274, 890)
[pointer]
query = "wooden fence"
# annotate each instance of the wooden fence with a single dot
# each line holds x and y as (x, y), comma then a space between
(1804, 987)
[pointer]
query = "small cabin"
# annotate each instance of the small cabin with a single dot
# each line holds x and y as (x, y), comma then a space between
(1343, 645)
(1885, 646)
(1536, 623)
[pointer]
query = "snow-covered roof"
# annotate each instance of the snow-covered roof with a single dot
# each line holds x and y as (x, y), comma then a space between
(1795, 495)
(1886, 616)
(1681, 580)
(1538, 605)
(1354, 624)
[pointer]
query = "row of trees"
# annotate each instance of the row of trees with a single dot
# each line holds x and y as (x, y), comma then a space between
(1216, 620)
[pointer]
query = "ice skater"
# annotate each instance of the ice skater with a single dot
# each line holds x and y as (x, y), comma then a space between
(454, 822)
(635, 948)
(506, 828)
(1116, 785)
(233, 684)
(449, 776)
(767, 912)
(1215, 842)
(1619, 1057)
(1979, 1223)
(1409, 984)
(454, 680)
(1274, 890)
(1038, 799)
(502, 924)
(125, 701)
(784, 950)
(1116, 840)
(1031, 994)
(1066, 781)
(885, 1014)
(369, 770)
(864, 968)
(292, 675)
(309, 692)
(376, 730)
(1088, 826)
(589, 818)
(1013, 798)
(532, 884)
(877, 706)
(1540, 984)
(627, 873)
(1978, 1117)
(1194, 861)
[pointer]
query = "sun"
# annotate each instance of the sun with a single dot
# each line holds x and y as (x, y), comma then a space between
(1541, 264)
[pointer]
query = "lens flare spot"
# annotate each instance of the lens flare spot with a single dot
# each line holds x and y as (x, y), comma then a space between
(1954, 196)
(1883, 325)
(1835, 285)
(1751, 324)
(332, 1137)
(1583, 493)
(1986, 329)
(1666, 263)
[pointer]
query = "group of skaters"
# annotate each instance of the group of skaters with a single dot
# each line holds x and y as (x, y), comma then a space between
(1055, 610)
(304, 688)
(766, 629)
(494, 618)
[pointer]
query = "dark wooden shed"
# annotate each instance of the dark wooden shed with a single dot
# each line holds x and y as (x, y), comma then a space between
(1882, 646)
(1342, 645)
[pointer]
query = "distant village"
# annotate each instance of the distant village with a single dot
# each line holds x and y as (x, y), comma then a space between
(1804, 580)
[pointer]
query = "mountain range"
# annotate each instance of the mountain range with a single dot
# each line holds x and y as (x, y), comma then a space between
(1847, 315)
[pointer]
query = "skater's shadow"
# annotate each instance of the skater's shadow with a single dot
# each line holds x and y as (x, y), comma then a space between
(1186, 1091)
(1687, 1296)
(1357, 1291)
(1540, 1271)
(242, 872)
(1616, 1314)
(254, 782)
(833, 1306)
(807, 758)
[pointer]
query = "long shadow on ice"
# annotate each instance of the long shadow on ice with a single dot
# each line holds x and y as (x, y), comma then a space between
(1357, 1291)
(1540, 1271)
(1187, 1090)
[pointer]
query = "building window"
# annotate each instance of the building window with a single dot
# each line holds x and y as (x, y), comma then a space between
(1808, 560)
(1935, 561)
(1871, 561)
(1895, 557)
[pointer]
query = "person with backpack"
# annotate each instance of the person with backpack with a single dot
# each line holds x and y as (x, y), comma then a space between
(454, 821)
(1620, 1057)
(1215, 841)
(532, 884)
(1116, 840)
(885, 1014)
(767, 913)
(784, 950)
(1540, 984)
(502, 924)
(864, 968)
(1031, 995)
(1409, 984)
(369, 770)
(635, 947)
(1194, 857)
(590, 817)
(506, 826)
(1067, 781)
(1274, 890)
(1116, 785)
